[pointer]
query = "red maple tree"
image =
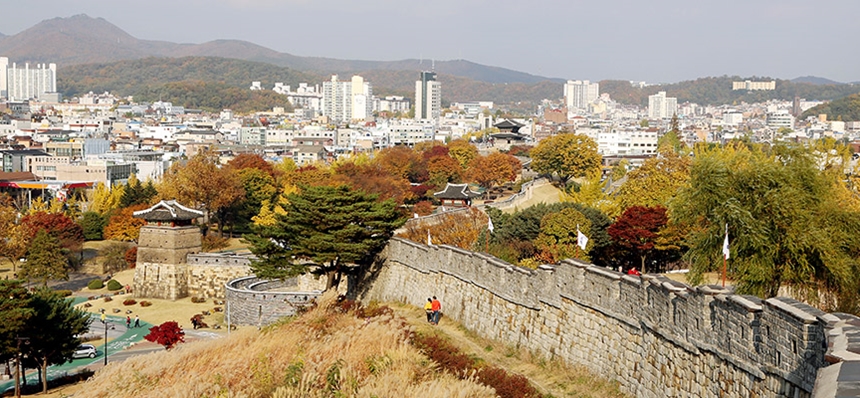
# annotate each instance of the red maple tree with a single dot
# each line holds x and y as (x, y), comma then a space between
(167, 334)
(637, 230)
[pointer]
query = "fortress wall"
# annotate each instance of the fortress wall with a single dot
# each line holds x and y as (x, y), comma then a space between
(657, 337)
(254, 301)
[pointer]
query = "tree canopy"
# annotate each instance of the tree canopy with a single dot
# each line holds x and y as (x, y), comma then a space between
(789, 223)
(567, 155)
(334, 227)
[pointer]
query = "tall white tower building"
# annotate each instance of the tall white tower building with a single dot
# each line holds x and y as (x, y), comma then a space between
(428, 97)
(337, 100)
(662, 107)
(579, 93)
(362, 102)
(26, 83)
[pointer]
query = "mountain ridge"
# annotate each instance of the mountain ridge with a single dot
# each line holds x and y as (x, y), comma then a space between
(81, 39)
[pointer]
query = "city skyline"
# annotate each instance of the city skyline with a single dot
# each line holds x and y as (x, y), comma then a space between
(568, 40)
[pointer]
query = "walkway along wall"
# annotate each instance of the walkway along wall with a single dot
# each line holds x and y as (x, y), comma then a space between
(657, 337)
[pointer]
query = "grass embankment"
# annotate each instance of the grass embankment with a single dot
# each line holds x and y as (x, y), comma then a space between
(333, 352)
(325, 352)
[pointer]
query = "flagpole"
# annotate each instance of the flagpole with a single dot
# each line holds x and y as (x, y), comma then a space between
(725, 254)
(724, 271)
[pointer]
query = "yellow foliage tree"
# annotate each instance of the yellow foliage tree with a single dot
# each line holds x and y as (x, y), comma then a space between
(591, 192)
(566, 155)
(460, 229)
(463, 152)
(656, 182)
(557, 238)
(105, 200)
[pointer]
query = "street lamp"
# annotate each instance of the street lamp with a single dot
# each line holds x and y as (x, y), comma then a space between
(106, 351)
(26, 340)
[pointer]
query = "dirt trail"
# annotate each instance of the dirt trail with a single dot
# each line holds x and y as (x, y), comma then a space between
(550, 377)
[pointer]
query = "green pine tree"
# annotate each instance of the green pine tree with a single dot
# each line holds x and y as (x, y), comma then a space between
(53, 330)
(45, 259)
(338, 228)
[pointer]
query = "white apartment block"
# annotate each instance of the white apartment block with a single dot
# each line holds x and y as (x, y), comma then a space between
(754, 86)
(337, 100)
(428, 97)
(409, 133)
(733, 118)
(662, 107)
(579, 93)
(18, 84)
(392, 103)
(362, 99)
(627, 143)
(780, 118)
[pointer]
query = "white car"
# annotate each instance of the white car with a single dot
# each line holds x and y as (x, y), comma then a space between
(85, 351)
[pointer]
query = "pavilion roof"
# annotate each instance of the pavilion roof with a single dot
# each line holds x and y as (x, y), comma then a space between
(456, 191)
(168, 210)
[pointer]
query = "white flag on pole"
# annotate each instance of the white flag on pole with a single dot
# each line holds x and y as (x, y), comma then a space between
(726, 244)
(490, 224)
(429, 241)
(581, 239)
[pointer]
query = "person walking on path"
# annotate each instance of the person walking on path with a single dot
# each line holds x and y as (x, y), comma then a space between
(128, 322)
(136, 321)
(103, 317)
(436, 307)
(428, 308)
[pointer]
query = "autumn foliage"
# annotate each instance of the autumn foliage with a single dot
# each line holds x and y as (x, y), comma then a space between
(460, 229)
(57, 225)
(123, 226)
(168, 334)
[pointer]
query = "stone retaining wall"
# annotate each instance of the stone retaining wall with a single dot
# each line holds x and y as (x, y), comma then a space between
(657, 337)
(255, 301)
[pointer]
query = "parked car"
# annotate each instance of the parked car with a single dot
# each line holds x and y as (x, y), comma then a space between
(85, 351)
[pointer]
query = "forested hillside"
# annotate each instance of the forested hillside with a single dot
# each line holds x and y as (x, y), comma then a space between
(846, 109)
(718, 91)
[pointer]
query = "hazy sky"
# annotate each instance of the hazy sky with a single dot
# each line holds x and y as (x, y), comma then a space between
(654, 41)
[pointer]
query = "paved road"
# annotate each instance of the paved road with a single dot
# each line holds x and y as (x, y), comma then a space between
(119, 338)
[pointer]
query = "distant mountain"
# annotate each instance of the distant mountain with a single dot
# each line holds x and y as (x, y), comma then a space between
(81, 39)
(845, 109)
(813, 80)
(136, 77)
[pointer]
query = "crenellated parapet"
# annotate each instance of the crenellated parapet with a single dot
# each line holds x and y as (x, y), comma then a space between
(656, 336)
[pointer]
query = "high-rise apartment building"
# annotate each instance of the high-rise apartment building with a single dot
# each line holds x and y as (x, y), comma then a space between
(662, 107)
(579, 93)
(23, 83)
(428, 97)
(344, 101)
(362, 101)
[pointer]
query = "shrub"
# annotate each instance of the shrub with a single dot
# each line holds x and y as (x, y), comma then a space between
(506, 385)
(114, 285)
(108, 299)
(145, 303)
(211, 242)
(95, 284)
(423, 208)
(64, 293)
(129, 302)
(444, 353)
(196, 299)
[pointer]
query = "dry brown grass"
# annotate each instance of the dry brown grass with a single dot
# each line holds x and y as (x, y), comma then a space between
(548, 376)
(317, 354)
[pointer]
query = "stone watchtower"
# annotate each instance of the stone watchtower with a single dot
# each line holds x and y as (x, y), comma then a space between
(164, 244)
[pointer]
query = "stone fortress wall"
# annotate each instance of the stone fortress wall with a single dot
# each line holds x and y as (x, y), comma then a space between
(255, 301)
(657, 337)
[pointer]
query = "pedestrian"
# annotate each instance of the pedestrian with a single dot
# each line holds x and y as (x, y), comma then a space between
(428, 309)
(634, 271)
(436, 307)
(103, 317)
(127, 289)
(128, 322)
(136, 321)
